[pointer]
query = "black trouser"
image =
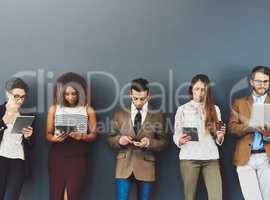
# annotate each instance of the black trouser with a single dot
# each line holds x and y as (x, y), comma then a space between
(12, 174)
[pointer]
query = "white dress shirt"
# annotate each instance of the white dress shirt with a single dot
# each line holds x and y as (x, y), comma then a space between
(134, 112)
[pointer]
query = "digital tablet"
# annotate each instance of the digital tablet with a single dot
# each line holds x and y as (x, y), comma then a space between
(260, 115)
(21, 122)
(192, 132)
(65, 129)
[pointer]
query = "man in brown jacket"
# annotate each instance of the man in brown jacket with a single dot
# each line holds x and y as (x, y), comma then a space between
(136, 133)
(252, 152)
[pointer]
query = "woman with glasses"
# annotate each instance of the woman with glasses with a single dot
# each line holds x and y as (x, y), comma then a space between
(15, 148)
(71, 126)
(198, 131)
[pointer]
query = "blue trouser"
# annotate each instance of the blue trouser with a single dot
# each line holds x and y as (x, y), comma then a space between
(123, 187)
(12, 175)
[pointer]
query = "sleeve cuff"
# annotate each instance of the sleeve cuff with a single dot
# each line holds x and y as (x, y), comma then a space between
(219, 142)
(176, 140)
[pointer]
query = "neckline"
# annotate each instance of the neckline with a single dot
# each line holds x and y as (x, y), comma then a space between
(197, 103)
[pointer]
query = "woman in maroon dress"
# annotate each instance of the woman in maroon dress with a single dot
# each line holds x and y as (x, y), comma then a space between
(71, 125)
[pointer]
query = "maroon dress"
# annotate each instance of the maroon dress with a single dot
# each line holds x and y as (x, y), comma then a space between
(67, 169)
(68, 160)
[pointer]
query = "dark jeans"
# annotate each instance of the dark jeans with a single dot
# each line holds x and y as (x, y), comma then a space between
(123, 187)
(12, 175)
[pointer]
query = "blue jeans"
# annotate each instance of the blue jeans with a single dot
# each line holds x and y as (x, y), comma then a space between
(123, 187)
(12, 175)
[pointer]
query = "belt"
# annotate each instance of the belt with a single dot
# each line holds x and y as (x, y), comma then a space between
(258, 151)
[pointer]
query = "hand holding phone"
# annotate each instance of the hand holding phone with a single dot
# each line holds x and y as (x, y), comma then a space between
(125, 140)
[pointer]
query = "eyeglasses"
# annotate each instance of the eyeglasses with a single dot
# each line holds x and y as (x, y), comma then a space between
(17, 97)
(260, 82)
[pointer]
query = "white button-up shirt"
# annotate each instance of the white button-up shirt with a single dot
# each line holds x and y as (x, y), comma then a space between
(134, 112)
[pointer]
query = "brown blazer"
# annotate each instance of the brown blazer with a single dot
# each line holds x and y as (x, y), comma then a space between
(238, 122)
(131, 159)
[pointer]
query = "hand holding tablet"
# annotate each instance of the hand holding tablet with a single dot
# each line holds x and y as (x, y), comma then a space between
(65, 129)
(192, 132)
(22, 125)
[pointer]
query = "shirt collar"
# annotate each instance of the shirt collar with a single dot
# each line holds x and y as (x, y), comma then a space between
(144, 108)
(262, 98)
(197, 103)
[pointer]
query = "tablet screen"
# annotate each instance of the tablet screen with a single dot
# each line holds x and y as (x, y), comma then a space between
(22, 122)
(192, 132)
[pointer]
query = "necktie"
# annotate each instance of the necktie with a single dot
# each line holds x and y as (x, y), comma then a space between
(137, 121)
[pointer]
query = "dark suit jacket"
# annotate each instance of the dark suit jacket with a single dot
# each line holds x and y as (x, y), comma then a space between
(131, 159)
(238, 122)
(27, 143)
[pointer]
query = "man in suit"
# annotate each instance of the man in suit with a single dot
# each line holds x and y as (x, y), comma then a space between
(252, 152)
(136, 133)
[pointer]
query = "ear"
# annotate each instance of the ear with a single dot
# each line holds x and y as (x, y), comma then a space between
(250, 82)
(7, 95)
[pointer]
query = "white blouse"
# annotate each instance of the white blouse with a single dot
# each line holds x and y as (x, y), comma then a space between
(191, 115)
(71, 116)
(11, 145)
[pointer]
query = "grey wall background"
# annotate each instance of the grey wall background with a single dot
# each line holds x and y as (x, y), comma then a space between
(130, 39)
